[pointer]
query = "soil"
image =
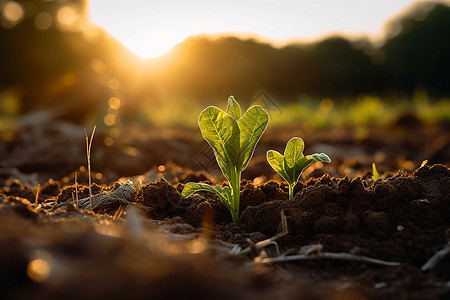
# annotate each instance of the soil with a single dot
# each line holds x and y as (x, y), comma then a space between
(142, 240)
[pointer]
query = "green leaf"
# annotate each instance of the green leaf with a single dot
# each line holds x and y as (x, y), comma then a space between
(293, 152)
(233, 108)
(293, 155)
(306, 161)
(291, 165)
(225, 195)
(222, 133)
(276, 160)
(225, 168)
(193, 187)
(218, 188)
(227, 191)
(252, 125)
(322, 157)
(301, 165)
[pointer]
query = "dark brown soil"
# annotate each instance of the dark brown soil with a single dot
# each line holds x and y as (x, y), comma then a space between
(402, 219)
(161, 246)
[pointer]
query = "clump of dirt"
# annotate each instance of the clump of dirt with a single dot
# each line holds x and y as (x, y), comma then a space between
(17, 206)
(158, 200)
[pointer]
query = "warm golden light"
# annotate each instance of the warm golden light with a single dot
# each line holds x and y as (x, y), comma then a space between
(66, 16)
(114, 84)
(98, 66)
(13, 12)
(106, 228)
(197, 246)
(38, 270)
(10, 102)
(109, 141)
(114, 103)
(152, 28)
(68, 79)
(114, 133)
(109, 119)
(43, 21)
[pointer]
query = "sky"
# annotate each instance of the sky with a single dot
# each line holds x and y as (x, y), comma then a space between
(151, 28)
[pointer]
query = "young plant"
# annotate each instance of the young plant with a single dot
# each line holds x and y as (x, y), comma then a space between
(291, 165)
(375, 174)
(233, 138)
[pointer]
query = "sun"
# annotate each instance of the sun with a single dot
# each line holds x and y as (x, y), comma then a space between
(147, 37)
(150, 45)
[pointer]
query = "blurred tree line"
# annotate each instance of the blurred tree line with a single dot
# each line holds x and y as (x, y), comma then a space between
(415, 54)
(51, 54)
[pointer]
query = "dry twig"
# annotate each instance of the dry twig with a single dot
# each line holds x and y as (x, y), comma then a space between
(334, 256)
(88, 153)
(76, 191)
(271, 241)
(436, 258)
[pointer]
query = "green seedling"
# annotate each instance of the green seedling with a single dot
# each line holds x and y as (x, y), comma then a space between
(291, 165)
(233, 138)
(375, 174)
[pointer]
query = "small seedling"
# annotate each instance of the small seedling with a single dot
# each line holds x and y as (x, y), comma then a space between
(424, 163)
(88, 154)
(37, 195)
(291, 165)
(375, 174)
(233, 138)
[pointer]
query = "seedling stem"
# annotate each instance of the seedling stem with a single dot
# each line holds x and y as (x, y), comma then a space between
(236, 188)
(291, 191)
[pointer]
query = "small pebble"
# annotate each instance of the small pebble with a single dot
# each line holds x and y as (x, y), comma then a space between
(380, 285)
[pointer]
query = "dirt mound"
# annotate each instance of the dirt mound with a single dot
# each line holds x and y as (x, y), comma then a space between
(404, 219)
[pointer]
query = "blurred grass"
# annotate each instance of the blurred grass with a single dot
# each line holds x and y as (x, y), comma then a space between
(9, 109)
(359, 112)
(171, 113)
(313, 113)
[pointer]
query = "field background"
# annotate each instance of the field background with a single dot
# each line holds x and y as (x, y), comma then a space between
(72, 71)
